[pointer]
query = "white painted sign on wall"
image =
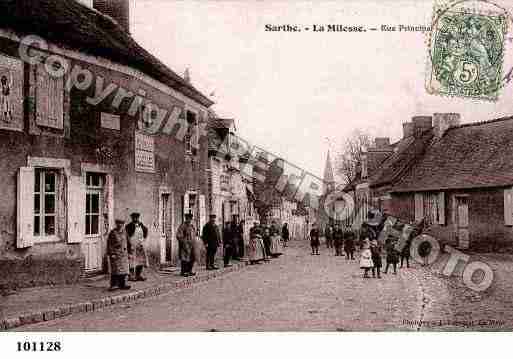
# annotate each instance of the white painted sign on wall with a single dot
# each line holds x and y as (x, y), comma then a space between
(110, 121)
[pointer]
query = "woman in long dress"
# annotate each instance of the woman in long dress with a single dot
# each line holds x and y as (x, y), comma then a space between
(256, 251)
(276, 245)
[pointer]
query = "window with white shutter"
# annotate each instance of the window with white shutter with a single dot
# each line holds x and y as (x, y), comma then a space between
(25, 207)
(508, 206)
(49, 99)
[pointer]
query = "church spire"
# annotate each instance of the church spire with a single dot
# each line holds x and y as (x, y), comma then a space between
(329, 179)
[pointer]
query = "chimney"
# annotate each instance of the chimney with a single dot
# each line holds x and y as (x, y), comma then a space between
(118, 10)
(443, 121)
(88, 3)
(187, 76)
(382, 143)
(407, 129)
(421, 124)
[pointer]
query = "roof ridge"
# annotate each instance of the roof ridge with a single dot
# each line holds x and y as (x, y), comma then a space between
(479, 123)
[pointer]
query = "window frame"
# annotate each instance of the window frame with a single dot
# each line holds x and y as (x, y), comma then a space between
(42, 237)
(94, 189)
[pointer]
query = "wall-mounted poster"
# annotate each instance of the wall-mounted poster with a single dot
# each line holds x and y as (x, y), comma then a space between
(144, 153)
(11, 93)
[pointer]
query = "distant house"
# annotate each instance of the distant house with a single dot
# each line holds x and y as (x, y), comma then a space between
(462, 185)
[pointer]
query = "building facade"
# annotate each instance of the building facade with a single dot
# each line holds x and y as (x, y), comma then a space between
(76, 157)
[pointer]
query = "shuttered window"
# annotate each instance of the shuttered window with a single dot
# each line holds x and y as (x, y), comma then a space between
(49, 99)
(419, 206)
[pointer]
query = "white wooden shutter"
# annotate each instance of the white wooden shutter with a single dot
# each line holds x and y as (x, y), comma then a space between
(508, 206)
(441, 208)
(419, 206)
(185, 204)
(202, 211)
(25, 208)
(76, 209)
(109, 186)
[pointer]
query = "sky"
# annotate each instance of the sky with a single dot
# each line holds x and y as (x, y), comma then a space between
(301, 94)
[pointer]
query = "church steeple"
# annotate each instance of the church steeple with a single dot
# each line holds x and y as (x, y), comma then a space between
(329, 179)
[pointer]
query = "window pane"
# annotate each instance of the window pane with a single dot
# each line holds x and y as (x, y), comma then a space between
(49, 182)
(96, 180)
(37, 199)
(88, 179)
(95, 228)
(88, 203)
(88, 224)
(37, 228)
(37, 182)
(95, 203)
(49, 203)
(50, 225)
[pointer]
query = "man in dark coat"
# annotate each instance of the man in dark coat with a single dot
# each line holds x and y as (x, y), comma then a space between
(137, 233)
(266, 237)
(117, 250)
(285, 235)
(212, 239)
(349, 245)
(240, 232)
(236, 239)
(228, 244)
(186, 235)
(376, 249)
(314, 239)
(338, 239)
(328, 233)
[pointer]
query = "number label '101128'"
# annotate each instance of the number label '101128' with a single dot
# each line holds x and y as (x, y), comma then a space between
(39, 346)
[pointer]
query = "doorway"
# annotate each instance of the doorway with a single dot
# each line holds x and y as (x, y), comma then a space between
(166, 228)
(462, 222)
(92, 245)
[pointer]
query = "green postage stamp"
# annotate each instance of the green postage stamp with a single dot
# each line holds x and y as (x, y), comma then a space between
(466, 54)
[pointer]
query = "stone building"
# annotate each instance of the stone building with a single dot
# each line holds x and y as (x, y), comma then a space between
(230, 176)
(93, 128)
(462, 184)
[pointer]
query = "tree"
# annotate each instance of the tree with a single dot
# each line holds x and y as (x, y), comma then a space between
(349, 159)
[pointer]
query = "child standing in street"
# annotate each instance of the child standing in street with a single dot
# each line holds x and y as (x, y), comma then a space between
(376, 249)
(314, 239)
(366, 258)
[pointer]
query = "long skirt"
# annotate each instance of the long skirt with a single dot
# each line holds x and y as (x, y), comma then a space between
(276, 245)
(256, 251)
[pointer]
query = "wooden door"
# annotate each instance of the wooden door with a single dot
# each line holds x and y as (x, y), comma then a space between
(462, 222)
(165, 228)
(92, 245)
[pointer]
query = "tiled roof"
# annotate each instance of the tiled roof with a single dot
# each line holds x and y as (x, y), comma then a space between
(468, 156)
(74, 26)
(407, 151)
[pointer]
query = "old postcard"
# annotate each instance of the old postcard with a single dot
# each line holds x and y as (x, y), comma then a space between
(251, 166)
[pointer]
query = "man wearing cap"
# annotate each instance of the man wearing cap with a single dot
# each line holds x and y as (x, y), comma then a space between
(186, 234)
(137, 233)
(117, 250)
(212, 239)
